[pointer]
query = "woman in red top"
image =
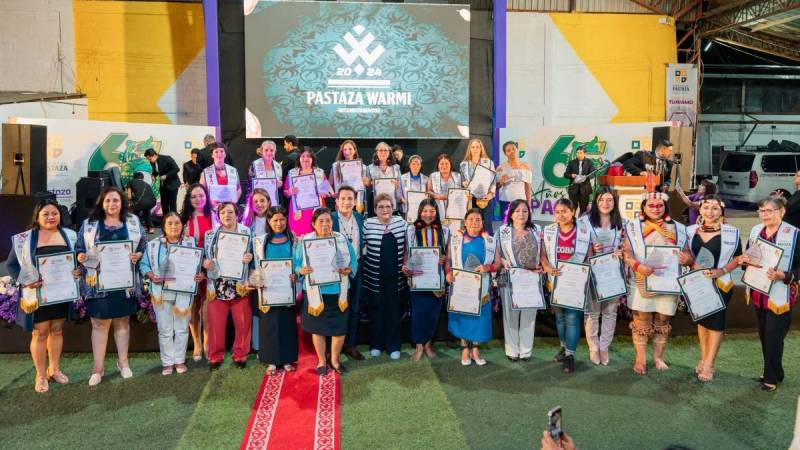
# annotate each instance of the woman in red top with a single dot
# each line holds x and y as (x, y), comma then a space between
(197, 218)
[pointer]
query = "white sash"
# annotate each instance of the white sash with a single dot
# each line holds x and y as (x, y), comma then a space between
(786, 238)
(729, 236)
(90, 236)
(210, 174)
(633, 230)
(467, 170)
(436, 186)
(489, 249)
(22, 250)
(209, 243)
(582, 239)
(405, 180)
(315, 303)
(182, 301)
(260, 169)
(506, 237)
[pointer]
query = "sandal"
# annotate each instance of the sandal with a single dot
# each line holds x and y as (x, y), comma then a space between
(289, 368)
(271, 370)
(705, 374)
(41, 385)
(59, 377)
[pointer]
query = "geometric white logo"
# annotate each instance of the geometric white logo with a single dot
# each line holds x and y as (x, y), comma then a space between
(359, 48)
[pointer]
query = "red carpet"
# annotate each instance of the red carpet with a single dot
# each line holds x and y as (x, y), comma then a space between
(298, 410)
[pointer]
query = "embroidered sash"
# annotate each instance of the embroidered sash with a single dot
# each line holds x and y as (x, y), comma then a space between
(315, 303)
(210, 242)
(182, 302)
(550, 238)
(786, 238)
(729, 241)
(260, 169)
(29, 298)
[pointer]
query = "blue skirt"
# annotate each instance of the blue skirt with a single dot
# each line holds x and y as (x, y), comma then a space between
(425, 308)
(472, 328)
(113, 306)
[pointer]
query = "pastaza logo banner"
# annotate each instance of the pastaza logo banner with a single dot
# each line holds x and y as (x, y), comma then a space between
(334, 69)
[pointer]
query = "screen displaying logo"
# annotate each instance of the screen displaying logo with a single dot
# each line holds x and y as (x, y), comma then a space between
(334, 69)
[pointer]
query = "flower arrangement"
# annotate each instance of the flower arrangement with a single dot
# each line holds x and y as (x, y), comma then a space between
(9, 297)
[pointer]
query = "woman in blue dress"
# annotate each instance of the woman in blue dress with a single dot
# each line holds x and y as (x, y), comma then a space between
(474, 250)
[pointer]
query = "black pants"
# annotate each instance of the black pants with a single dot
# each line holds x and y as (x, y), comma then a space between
(772, 329)
(385, 312)
(144, 217)
(353, 310)
(579, 195)
(168, 199)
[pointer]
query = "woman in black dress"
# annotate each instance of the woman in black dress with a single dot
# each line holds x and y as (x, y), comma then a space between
(110, 221)
(45, 237)
(715, 246)
(277, 325)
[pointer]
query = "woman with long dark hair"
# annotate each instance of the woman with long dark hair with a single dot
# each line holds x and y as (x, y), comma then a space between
(427, 231)
(198, 219)
(300, 220)
(46, 236)
(110, 221)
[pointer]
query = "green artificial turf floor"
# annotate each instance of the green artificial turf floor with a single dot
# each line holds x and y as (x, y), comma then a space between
(434, 404)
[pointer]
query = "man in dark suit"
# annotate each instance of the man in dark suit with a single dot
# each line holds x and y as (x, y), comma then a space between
(792, 216)
(141, 199)
(580, 186)
(204, 158)
(191, 169)
(351, 224)
(656, 161)
(165, 169)
(291, 146)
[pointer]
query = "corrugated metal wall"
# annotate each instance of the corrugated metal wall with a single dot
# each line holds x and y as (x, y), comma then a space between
(599, 6)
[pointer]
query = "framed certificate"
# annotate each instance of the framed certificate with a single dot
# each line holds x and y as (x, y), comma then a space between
(608, 279)
(569, 289)
(526, 289)
(385, 186)
(701, 294)
(465, 293)
(271, 186)
(413, 199)
(58, 283)
(278, 287)
(457, 203)
(307, 196)
(755, 276)
(423, 262)
(222, 193)
(183, 264)
(321, 257)
(352, 174)
(481, 182)
(115, 272)
(229, 251)
(663, 259)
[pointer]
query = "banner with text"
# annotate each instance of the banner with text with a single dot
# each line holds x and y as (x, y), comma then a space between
(358, 70)
(682, 94)
(74, 147)
(548, 150)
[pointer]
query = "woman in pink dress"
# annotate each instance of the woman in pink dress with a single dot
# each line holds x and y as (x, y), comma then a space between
(300, 220)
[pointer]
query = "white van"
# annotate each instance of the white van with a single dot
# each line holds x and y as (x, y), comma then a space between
(748, 177)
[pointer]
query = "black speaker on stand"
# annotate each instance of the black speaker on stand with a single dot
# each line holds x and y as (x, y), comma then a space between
(86, 192)
(24, 159)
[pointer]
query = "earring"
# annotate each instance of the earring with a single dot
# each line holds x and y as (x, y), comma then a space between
(700, 221)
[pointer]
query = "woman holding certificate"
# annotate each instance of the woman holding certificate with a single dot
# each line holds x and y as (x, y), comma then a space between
(607, 231)
(425, 257)
(42, 261)
(228, 252)
(222, 180)
(326, 261)
(715, 246)
(384, 174)
(255, 216)
(564, 251)
(472, 260)
(519, 253)
(772, 265)
(440, 182)
(385, 242)
(110, 244)
(266, 173)
(197, 217)
(277, 314)
(348, 170)
(415, 185)
(172, 264)
(483, 188)
(654, 251)
(306, 188)
(514, 178)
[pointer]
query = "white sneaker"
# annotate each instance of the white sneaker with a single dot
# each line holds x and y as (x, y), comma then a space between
(395, 355)
(375, 353)
(95, 379)
(125, 372)
(480, 362)
(466, 362)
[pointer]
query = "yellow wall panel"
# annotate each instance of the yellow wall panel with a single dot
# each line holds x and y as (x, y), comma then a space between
(128, 54)
(627, 54)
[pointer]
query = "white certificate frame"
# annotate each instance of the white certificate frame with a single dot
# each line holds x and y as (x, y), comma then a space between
(199, 266)
(675, 261)
(385, 190)
(41, 260)
(271, 188)
(352, 162)
(687, 296)
(553, 299)
(298, 206)
(263, 299)
(418, 196)
(311, 280)
(438, 252)
(214, 189)
(745, 277)
(450, 308)
(594, 280)
(472, 185)
(100, 247)
(511, 273)
(244, 266)
(448, 214)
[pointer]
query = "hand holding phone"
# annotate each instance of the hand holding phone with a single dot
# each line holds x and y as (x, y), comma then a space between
(554, 423)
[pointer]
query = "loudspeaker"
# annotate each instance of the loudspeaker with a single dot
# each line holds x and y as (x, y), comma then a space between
(17, 212)
(24, 158)
(86, 192)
